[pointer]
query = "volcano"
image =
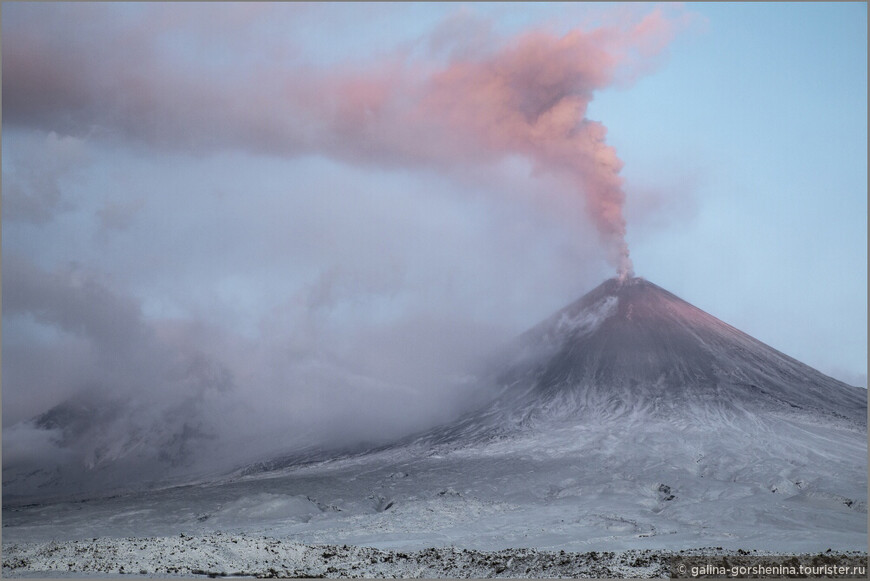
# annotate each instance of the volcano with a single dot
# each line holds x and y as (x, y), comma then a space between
(629, 419)
(632, 340)
(629, 348)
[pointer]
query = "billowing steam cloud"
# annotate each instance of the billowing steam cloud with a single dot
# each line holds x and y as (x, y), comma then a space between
(524, 96)
(163, 305)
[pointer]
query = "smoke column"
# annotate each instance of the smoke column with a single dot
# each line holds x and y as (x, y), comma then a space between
(531, 98)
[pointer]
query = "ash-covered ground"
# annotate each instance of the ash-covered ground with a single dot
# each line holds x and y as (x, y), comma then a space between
(219, 555)
(731, 446)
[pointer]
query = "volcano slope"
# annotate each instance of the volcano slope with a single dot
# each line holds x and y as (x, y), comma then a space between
(627, 420)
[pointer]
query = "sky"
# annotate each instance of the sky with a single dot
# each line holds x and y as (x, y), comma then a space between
(308, 222)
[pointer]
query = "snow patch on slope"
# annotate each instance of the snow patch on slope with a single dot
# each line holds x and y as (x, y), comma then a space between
(264, 508)
(586, 320)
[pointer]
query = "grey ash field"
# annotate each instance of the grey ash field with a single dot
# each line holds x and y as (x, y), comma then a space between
(628, 427)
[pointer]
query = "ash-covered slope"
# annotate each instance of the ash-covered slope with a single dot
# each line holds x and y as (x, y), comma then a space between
(629, 419)
(630, 347)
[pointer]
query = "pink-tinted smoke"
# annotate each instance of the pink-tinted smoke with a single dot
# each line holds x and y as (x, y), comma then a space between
(531, 97)
(527, 96)
(524, 96)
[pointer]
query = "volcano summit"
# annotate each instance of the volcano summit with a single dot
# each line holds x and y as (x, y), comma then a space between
(627, 420)
(630, 348)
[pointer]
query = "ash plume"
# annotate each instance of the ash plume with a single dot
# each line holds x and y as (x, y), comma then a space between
(272, 288)
(492, 98)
